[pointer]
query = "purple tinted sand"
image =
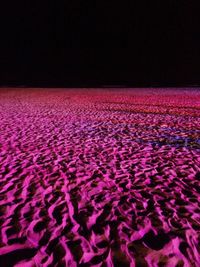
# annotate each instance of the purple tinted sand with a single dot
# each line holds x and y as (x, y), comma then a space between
(96, 177)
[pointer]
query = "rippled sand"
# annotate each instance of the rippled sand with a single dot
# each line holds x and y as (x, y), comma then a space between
(97, 177)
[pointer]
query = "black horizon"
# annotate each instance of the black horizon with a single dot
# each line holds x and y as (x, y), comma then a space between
(96, 43)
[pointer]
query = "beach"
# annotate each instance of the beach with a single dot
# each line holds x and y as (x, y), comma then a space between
(100, 177)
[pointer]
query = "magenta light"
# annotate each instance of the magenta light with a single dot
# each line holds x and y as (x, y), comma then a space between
(99, 177)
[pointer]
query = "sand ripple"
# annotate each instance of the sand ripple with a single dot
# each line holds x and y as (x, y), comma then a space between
(99, 177)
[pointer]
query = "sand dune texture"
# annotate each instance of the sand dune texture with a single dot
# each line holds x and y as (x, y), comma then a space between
(99, 177)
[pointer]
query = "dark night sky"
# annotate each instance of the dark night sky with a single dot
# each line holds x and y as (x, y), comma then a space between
(65, 43)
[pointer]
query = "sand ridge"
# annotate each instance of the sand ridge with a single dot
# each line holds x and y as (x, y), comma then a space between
(99, 177)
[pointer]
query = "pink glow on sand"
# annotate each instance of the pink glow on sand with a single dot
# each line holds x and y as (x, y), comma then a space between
(99, 177)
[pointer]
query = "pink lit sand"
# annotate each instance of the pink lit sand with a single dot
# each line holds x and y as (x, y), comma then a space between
(99, 177)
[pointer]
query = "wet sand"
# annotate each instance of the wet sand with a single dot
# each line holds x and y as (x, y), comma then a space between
(99, 177)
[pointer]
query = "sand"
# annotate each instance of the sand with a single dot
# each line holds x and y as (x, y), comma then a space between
(99, 177)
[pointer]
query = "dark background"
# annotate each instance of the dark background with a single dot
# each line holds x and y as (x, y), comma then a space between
(95, 43)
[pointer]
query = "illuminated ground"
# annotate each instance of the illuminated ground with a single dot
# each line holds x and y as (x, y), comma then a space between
(100, 177)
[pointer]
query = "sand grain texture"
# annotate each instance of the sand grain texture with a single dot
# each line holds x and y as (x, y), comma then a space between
(97, 177)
